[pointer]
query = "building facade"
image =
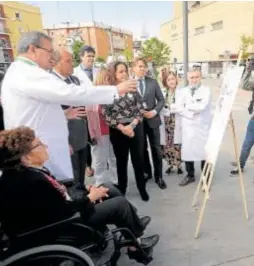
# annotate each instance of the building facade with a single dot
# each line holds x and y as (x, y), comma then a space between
(6, 53)
(20, 18)
(106, 40)
(215, 29)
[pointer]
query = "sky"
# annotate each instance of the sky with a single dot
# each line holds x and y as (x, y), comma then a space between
(131, 15)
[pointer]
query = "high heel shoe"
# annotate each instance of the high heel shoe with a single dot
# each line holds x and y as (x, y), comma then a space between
(179, 171)
(168, 171)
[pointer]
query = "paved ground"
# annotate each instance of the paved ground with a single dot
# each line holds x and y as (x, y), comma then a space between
(226, 237)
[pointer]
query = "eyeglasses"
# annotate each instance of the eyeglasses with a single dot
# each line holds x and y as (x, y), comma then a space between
(37, 145)
(45, 49)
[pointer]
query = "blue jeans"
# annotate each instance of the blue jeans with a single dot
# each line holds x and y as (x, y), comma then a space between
(247, 144)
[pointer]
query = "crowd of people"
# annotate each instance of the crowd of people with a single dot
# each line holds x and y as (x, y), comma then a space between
(63, 123)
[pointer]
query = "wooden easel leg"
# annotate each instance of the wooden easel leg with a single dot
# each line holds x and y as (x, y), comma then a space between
(239, 169)
(194, 202)
(209, 174)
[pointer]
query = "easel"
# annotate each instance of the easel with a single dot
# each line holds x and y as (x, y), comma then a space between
(208, 173)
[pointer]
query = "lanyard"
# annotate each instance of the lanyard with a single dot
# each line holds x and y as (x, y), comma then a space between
(26, 61)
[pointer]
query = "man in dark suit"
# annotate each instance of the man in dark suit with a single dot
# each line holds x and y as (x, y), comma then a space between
(153, 101)
(1, 108)
(77, 124)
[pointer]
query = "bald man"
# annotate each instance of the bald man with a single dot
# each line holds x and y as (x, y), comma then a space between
(77, 123)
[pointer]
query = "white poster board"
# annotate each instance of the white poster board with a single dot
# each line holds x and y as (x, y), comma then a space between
(222, 112)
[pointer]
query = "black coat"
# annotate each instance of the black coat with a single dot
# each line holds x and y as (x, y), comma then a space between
(1, 118)
(29, 200)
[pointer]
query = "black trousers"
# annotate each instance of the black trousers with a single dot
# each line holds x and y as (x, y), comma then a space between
(123, 145)
(79, 159)
(153, 135)
(189, 166)
(89, 153)
(147, 161)
(115, 210)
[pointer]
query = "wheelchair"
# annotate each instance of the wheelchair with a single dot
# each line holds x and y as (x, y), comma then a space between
(69, 243)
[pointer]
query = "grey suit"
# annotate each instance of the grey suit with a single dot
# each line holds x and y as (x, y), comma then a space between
(78, 139)
(154, 99)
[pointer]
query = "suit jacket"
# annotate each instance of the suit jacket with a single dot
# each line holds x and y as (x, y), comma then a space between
(154, 100)
(78, 133)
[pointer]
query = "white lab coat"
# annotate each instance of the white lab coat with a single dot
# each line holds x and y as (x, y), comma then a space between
(166, 112)
(32, 97)
(81, 74)
(196, 118)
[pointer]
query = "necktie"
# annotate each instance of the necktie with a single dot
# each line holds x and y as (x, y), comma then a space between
(141, 87)
(193, 91)
(90, 74)
(68, 80)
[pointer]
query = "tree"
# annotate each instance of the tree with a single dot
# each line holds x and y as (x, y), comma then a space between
(100, 59)
(157, 50)
(128, 55)
(76, 46)
(246, 41)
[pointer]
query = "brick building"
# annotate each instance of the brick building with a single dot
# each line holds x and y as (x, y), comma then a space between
(105, 39)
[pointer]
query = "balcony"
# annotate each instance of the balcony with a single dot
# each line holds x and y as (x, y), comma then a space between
(5, 31)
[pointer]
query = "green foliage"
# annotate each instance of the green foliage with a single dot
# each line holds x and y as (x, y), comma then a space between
(128, 55)
(157, 50)
(100, 59)
(246, 41)
(76, 46)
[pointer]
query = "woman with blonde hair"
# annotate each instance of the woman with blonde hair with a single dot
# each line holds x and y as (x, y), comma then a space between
(102, 151)
(172, 146)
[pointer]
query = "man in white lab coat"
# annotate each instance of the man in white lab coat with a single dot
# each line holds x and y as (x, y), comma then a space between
(32, 97)
(84, 71)
(194, 106)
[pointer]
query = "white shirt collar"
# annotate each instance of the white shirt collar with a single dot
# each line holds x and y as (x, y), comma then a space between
(59, 75)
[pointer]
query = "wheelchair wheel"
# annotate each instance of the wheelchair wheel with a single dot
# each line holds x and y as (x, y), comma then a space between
(50, 255)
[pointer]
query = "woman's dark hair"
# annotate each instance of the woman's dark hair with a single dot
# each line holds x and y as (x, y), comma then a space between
(112, 67)
(165, 77)
(14, 144)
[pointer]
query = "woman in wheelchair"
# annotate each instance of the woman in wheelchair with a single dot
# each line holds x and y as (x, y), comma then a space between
(31, 197)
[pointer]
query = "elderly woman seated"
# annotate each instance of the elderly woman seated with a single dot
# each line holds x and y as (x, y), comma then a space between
(31, 197)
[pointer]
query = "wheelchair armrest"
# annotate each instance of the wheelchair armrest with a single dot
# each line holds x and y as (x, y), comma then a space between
(72, 219)
(67, 182)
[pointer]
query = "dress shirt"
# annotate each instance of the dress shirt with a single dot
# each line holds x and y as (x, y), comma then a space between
(144, 90)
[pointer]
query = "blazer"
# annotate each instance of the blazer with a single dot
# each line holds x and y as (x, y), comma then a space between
(78, 130)
(154, 100)
(31, 198)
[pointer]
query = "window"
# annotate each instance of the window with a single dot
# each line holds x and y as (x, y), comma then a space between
(173, 26)
(199, 30)
(7, 56)
(17, 16)
(174, 35)
(217, 25)
(3, 43)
